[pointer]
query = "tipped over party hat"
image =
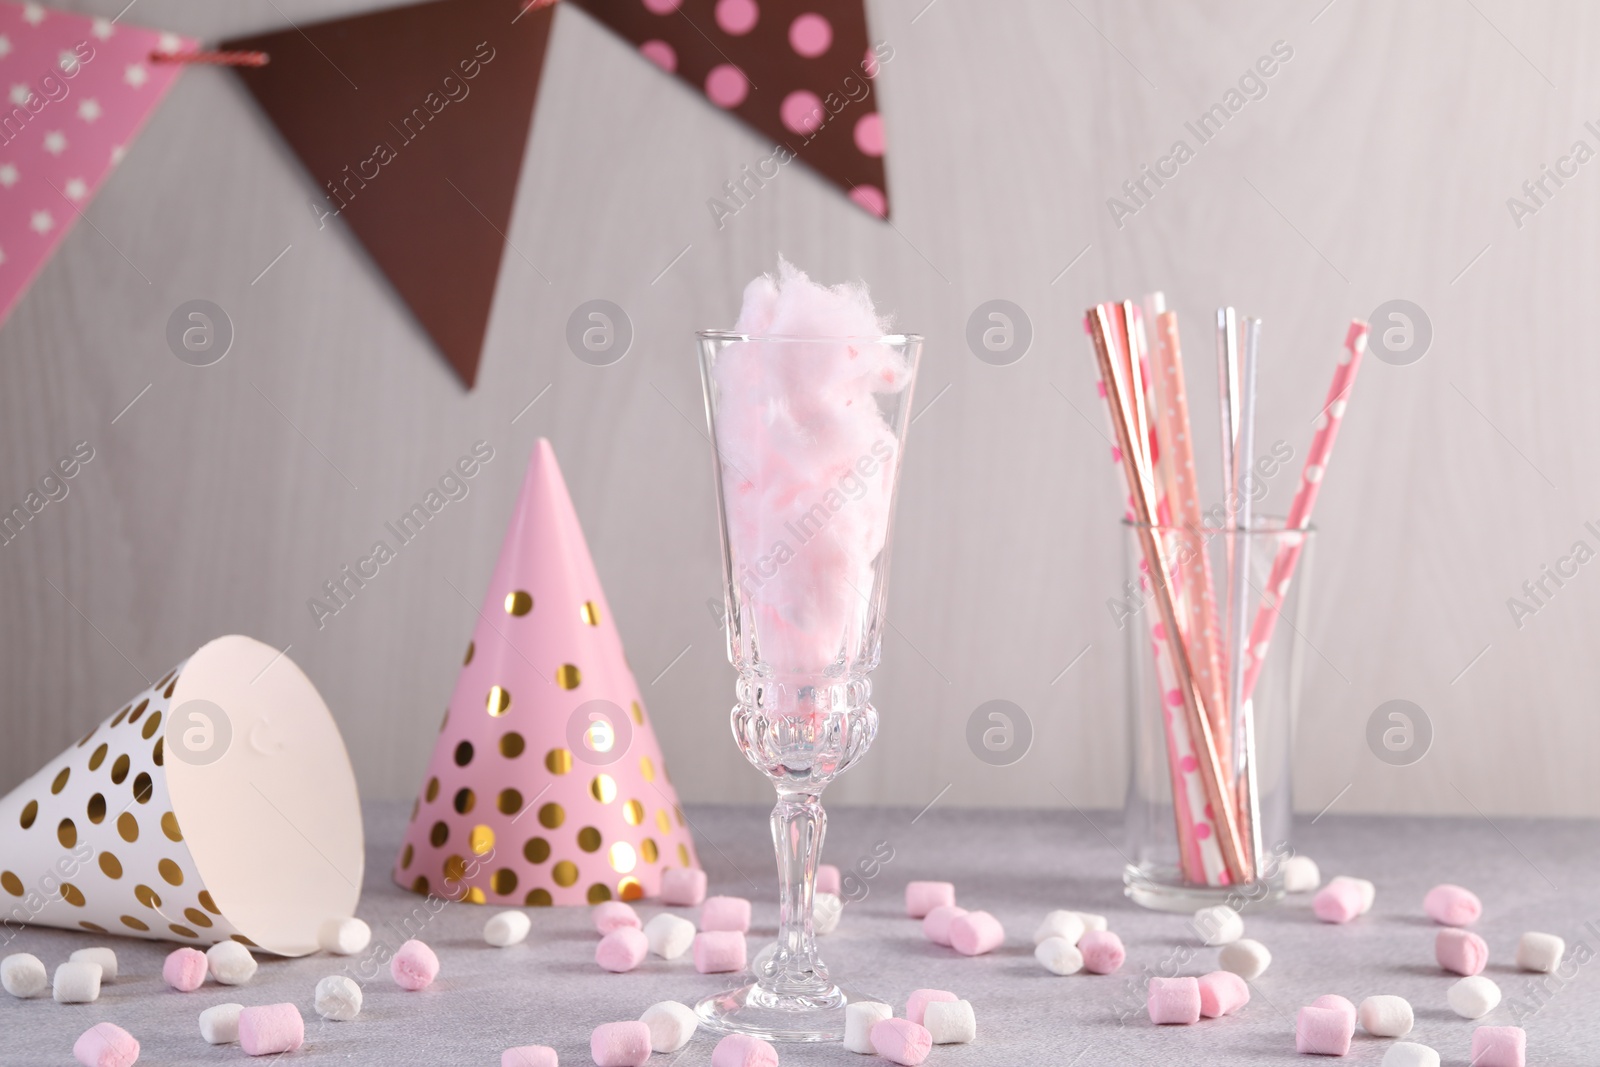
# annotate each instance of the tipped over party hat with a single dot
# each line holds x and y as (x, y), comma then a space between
(546, 784)
(217, 804)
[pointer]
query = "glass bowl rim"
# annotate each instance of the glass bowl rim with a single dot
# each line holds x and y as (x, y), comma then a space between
(734, 335)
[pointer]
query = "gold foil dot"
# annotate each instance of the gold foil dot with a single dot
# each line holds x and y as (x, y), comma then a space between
(439, 835)
(647, 768)
(568, 676)
(96, 809)
(169, 826)
(662, 821)
(207, 903)
(61, 780)
(511, 745)
(433, 790)
(638, 713)
(633, 812)
(481, 840)
(552, 815)
(590, 612)
(110, 865)
(196, 916)
(94, 928)
(98, 757)
(138, 711)
(565, 873)
(504, 882)
(538, 898)
(510, 801)
(683, 854)
(603, 788)
(472, 646)
(171, 872)
(465, 800)
(11, 883)
(537, 850)
(133, 924)
(419, 885)
(30, 812)
(121, 715)
(165, 678)
(599, 893)
(119, 769)
(243, 940)
(143, 788)
(455, 869)
(167, 692)
(67, 833)
(499, 701)
(151, 725)
(181, 931)
(405, 858)
(463, 753)
(647, 849)
(473, 895)
(147, 896)
(128, 827)
(158, 755)
(88, 735)
(558, 761)
(630, 888)
(519, 602)
(589, 839)
(623, 858)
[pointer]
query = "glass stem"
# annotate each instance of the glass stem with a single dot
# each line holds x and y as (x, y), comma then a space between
(798, 824)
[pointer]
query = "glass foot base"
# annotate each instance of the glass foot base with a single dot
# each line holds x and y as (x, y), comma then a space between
(751, 1010)
(1165, 890)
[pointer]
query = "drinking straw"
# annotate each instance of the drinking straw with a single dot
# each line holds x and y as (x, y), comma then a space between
(1238, 599)
(1228, 398)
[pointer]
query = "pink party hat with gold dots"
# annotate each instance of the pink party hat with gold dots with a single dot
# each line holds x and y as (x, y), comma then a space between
(546, 784)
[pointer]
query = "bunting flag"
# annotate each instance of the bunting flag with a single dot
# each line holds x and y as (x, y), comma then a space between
(77, 90)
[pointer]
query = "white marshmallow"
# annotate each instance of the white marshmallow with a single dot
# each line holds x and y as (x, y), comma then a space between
(230, 963)
(219, 1024)
(951, 1022)
(1473, 998)
(1092, 922)
(1410, 1054)
(23, 975)
(1540, 952)
(1386, 1016)
(343, 937)
(1068, 925)
(1246, 958)
(826, 910)
(1369, 892)
(507, 928)
(77, 982)
(671, 1025)
(670, 935)
(859, 1018)
(1218, 925)
(106, 958)
(1300, 875)
(1058, 955)
(338, 998)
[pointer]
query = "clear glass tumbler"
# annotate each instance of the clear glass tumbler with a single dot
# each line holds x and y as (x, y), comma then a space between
(808, 435)
(1173, 834)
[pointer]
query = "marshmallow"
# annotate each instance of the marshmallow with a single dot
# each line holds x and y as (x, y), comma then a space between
(1339, 901)
(106, 958)
(343, 937)
(1499, 1046)
(1092, 922)
(669, 935)
(1540, 952)
(826, 911)
(725, 913)
(1246, 958)
(1387, 1016)
(338, 998)
(1323, 1031)
(859, 1018)
(230, 963)
(219, 1024)
(901, 1041)
(1218, 925)
(271, 1028)
(719, 952)
(671, 1025)
(976, 933)
(620, 1044)
(622, 950)
(1473, 997)
(923, 897)
(529, 1056)
(917, 1003)
(1102, 951)
(1335, 1002)
(683, 886)
(1451, 905)
(1300, 874)
(614, 914)
(1410, 1054)
(77, 982)
(936, 924)
(828, 880)
(743, 1050)
(1460, 951)
(23, 975)
(950, 1022)
(105, 1045)
(414, 966)
(1222, 993)
(1064, 924)
(507, 928)
(185, 969)
(1173, 1000)
(1058, 955)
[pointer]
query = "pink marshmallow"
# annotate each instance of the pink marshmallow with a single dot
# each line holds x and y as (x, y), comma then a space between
(1337, 902)
(1102, 951)
(742, 1050)
(1323, 1032)
(185, 969)
(105, 1045)
(1451, 905)
(529, 1056)
(901, 1041)
(622, 949)
(923, 897)
(1335, 1002)
(414, 966)
(620, 1044)
(1173, 1000)
(612, 914)
(1460, 951)
(725, 913)
(917, 1003)
(828, 879)
(975, 933)
(683, 887)
(719, 951)
(936, 924)
(1222, 993)
(271, 1028)
(1499, 1046)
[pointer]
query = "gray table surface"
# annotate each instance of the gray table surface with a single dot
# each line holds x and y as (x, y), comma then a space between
(1531, 874)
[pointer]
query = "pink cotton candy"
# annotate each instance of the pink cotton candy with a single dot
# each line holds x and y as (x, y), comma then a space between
(975, 933)
(106, 1045)
(1337, 902)
(901, 1041)
(1173, 1001)
(414, 966)
(612, 914)
(1451, 905)
(725, 913)
(1499, 1046)
(529, 1056)
(718, 951)
(185, 969)
(1102, 951)
(917, 1003)
(923, 897)
(271, 1028)
(622, 949)
(828, 879)
(1460, 951)
(620, 1044)
(742, 1050)
(1334, 1002)
(936, 924)
(1323, 1031)
(1222, 993)
(683, 887)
